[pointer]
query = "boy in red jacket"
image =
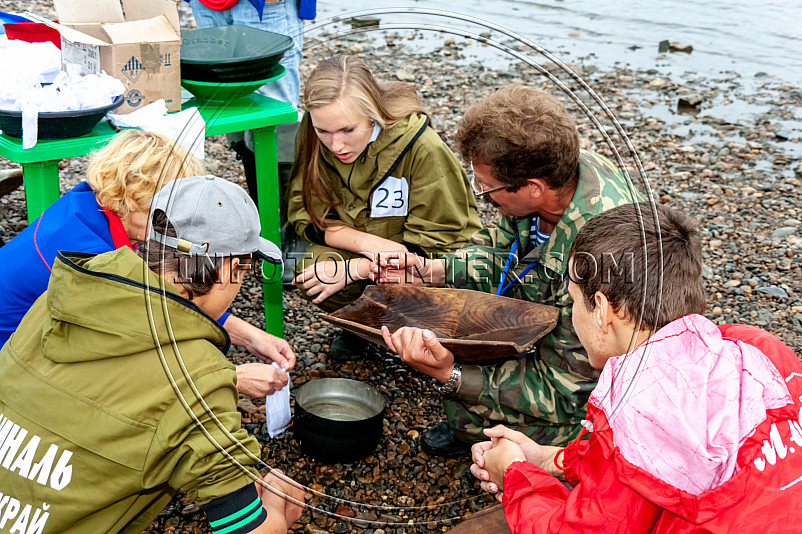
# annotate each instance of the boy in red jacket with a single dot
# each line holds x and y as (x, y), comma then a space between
(692, 428)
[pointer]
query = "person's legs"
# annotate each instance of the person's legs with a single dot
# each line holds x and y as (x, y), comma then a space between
(324, 257)
(467, 423)
(345, 346)
(280, 17)
(540, 405)
(209, 18)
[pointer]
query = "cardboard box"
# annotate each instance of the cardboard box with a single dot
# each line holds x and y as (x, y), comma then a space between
(138, 42)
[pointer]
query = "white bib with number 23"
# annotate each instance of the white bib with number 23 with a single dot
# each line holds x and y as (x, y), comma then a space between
(390, 199)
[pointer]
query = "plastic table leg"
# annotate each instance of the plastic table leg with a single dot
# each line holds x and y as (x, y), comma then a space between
(264, 145)
(41, 186)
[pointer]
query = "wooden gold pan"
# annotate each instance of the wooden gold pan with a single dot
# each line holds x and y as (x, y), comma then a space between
(475, 326)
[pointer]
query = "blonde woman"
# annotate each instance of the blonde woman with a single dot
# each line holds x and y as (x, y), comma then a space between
(109, 211)
(370, 176)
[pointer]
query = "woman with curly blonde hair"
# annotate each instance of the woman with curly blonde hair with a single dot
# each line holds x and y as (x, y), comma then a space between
(370, 176)
(108, 211)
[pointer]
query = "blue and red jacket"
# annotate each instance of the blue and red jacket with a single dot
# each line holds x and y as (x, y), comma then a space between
(74, 222)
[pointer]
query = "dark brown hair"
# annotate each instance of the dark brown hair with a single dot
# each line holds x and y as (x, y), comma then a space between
(194, 273)
(335, 79)
(521, 133)
(619, 254)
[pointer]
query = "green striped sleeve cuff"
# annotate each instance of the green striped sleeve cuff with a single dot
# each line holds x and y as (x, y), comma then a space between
(236, 513)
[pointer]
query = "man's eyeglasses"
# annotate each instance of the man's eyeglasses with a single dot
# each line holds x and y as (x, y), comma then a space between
(477, 187)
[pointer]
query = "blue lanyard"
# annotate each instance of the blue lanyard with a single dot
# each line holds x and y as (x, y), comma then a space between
(517, 277)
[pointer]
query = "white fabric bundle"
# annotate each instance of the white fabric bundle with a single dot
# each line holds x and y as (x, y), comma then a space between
(186, 127)
(277, 409)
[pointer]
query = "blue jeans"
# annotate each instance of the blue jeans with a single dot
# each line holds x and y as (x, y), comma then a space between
(280, 17)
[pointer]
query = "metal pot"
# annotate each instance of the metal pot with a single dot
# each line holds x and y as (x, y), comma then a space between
(338, 420)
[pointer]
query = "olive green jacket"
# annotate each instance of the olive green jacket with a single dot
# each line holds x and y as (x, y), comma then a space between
(100, 385)
(440, 207)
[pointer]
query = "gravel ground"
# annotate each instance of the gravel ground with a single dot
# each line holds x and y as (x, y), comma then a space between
(735, 167)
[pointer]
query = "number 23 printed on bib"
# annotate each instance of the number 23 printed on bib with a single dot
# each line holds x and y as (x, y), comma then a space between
(390, 199)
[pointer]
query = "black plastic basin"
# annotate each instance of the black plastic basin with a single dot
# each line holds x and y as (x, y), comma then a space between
(231, 54)
(58, 124)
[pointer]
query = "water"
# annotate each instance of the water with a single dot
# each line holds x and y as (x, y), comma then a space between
(747, 48)
(745, 36)
(341, 409)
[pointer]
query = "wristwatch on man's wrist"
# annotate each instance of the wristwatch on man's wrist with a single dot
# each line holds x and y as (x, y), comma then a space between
(452, 384)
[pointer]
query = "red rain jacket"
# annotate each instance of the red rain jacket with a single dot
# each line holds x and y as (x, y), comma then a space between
(613, 494)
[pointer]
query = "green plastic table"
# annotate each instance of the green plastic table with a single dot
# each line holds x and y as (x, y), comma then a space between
(256, 112)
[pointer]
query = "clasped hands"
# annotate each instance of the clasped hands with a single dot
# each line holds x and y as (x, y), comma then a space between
(404, 268)
(506, 446)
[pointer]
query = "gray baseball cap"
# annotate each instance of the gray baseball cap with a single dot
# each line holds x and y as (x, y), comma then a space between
(211, 217)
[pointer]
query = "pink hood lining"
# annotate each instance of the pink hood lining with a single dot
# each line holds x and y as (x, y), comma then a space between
(681, 405)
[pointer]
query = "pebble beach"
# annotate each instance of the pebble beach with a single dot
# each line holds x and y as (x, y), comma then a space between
(724, 148)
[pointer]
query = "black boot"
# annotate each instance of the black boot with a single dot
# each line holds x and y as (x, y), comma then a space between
(441, 441)
(284, 175)
(347, 347)
(249, 167)
(292, 245)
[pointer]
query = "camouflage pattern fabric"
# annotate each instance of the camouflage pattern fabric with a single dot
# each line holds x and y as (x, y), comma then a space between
(543, 394)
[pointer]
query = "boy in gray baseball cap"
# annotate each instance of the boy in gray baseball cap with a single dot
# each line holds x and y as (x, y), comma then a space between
(212, 217)
(136, 399)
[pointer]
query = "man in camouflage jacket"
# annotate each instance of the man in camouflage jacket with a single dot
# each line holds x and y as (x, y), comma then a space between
(524, 152)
